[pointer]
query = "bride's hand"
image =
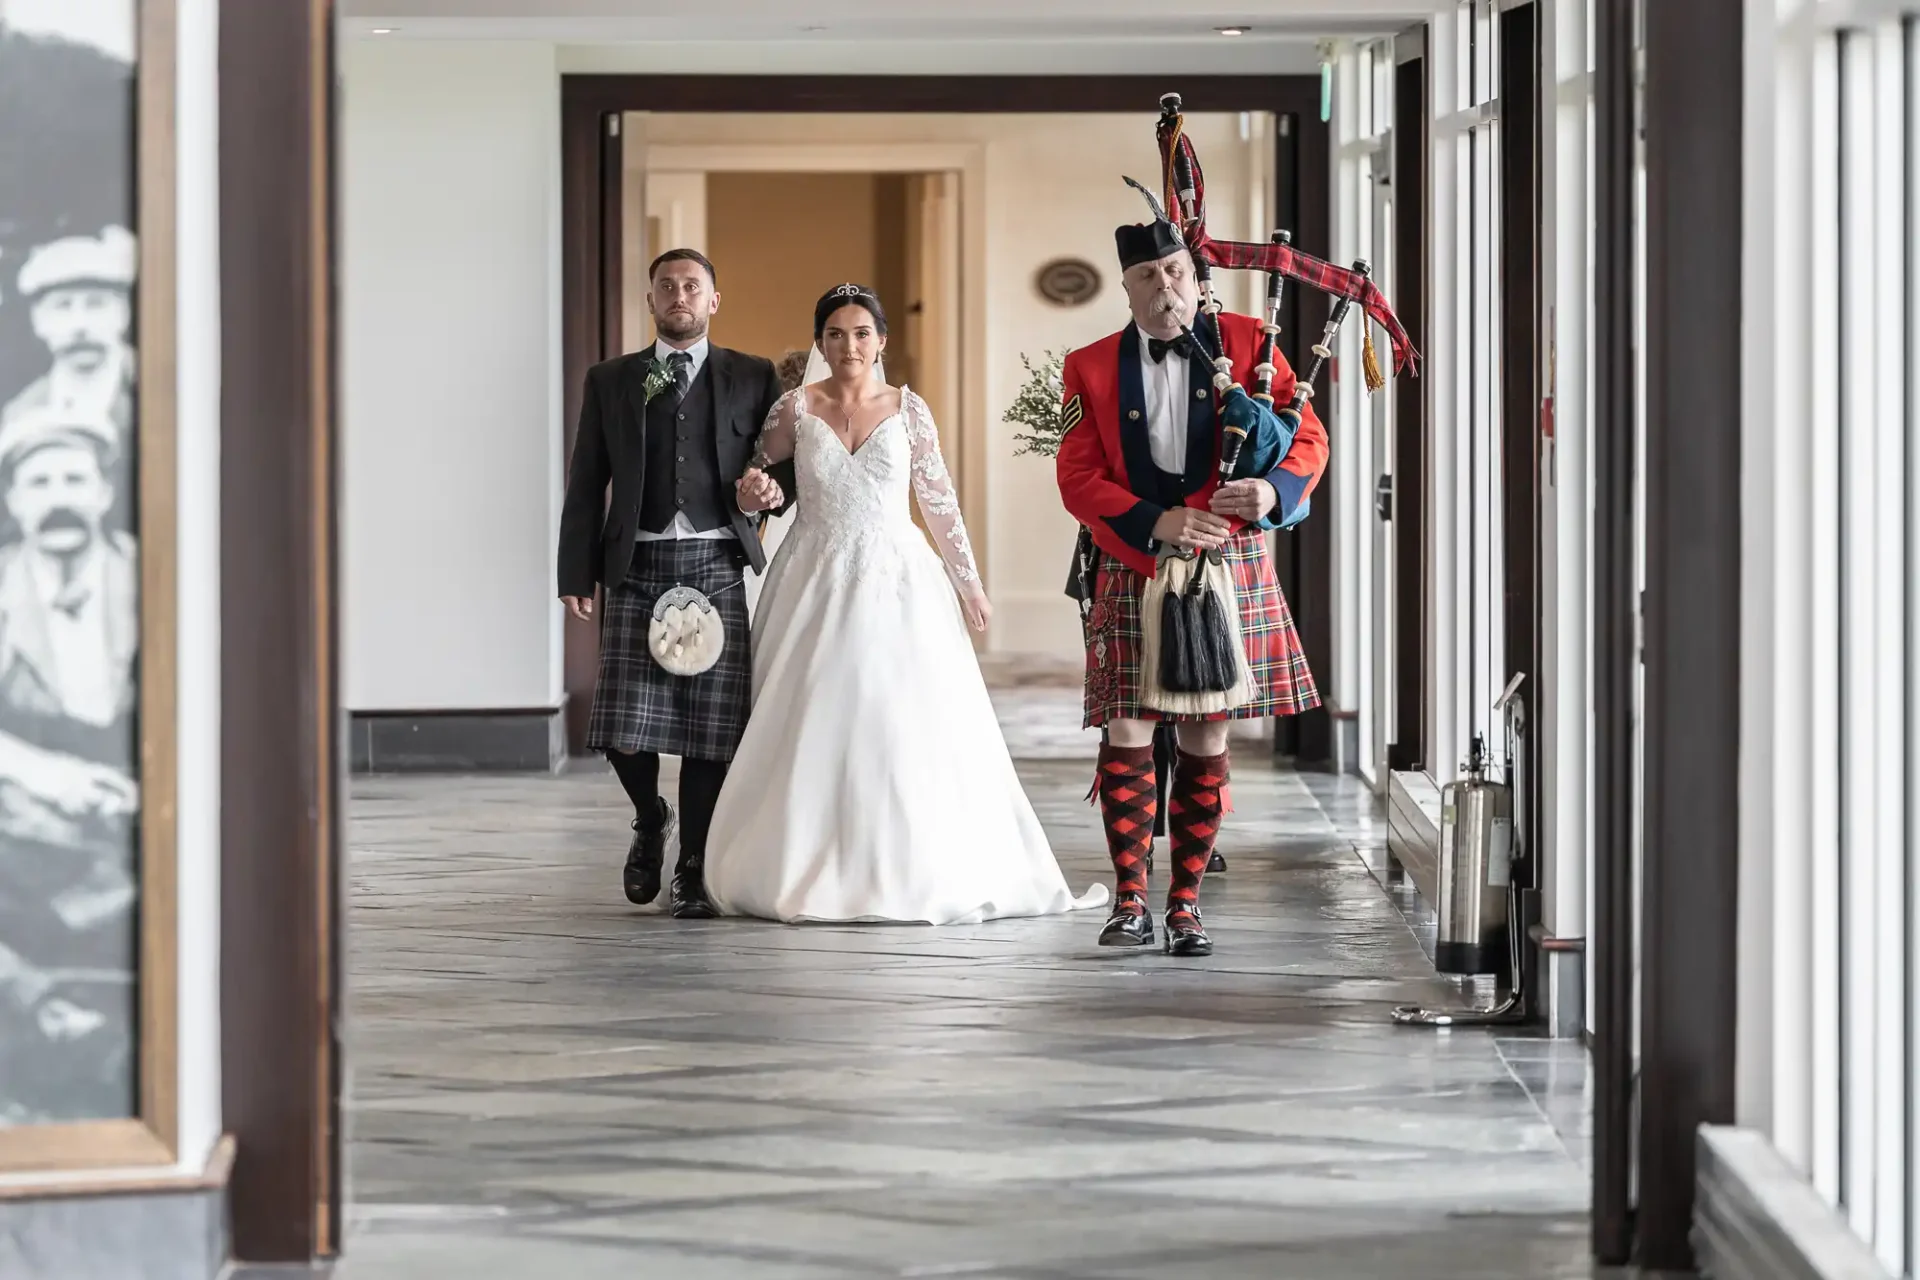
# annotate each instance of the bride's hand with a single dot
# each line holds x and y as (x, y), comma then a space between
(978, 609)
(757, 491)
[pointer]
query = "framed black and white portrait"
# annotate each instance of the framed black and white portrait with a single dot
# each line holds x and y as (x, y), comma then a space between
(87, 609)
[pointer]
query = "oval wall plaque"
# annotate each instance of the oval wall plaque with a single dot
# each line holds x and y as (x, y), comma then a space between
(1068, 282)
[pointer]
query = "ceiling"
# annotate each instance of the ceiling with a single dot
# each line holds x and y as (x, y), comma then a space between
(1290, 22)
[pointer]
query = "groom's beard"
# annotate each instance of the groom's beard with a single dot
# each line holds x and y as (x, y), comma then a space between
(680, 326)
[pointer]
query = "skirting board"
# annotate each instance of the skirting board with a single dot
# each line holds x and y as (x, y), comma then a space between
(1413, 830)
(531, 740)
(1346, 742)
(152, 1228)
(1754, 1218)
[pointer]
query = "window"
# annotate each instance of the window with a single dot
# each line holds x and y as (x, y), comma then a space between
(1566, 698)
(1364, 421)
(1837, 259)
(1874, 188)
(1469, 650)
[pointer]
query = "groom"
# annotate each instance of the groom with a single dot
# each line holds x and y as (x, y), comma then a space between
(670, 427)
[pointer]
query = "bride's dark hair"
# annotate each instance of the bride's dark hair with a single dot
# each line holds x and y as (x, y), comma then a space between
(848, 295)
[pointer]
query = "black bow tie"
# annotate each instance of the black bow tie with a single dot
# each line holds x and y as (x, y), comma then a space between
(1158, 347)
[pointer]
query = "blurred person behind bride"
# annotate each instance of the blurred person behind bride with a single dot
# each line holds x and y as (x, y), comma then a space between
(873, 782)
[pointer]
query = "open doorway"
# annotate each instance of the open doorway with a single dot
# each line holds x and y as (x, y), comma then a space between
(896, 231)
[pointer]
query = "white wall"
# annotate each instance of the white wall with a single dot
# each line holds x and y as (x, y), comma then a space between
(1047, 186)
(451, 395)
(197, 835)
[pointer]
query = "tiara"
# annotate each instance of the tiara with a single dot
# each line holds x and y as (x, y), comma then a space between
(849, 291)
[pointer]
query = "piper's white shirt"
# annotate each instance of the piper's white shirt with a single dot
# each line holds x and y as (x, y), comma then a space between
(681, 526)
(1167, 390)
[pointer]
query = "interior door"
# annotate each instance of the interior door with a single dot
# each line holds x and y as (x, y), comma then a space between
(1407, 579)
(1518, 54)
(1377, 702)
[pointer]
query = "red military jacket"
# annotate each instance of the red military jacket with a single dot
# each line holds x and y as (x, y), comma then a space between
(1105, 466)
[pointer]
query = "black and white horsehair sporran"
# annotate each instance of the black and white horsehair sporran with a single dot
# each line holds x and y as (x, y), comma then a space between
(1193, 659)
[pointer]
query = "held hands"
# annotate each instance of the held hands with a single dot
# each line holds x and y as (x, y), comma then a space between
(1191, 529)
(1248, 500)
(757, 491)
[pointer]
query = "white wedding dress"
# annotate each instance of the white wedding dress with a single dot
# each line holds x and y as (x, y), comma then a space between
(873, 783)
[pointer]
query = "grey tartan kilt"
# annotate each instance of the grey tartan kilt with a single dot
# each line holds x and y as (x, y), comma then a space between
(637, 706)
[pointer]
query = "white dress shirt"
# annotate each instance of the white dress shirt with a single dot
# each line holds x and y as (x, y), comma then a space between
(681, 526)
(1167, 391)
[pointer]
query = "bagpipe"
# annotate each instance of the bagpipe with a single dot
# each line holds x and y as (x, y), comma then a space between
(1193, 657)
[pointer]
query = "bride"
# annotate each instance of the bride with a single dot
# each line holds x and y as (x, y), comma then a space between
(873, 783)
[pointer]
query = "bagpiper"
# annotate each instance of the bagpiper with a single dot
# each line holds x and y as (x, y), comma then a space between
(1139, 467)
(1176, 476)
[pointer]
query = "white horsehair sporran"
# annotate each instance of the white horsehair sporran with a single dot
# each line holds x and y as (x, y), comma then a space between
(686, 634)
(1193, 658)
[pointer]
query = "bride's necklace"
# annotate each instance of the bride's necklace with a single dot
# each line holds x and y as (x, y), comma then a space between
(844, 432)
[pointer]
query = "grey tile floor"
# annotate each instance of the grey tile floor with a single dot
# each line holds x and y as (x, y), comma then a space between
(545, 1081)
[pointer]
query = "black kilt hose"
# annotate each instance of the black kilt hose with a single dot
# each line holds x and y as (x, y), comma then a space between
(637, 705)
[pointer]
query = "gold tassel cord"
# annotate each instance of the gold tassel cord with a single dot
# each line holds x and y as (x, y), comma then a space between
(1369, 362)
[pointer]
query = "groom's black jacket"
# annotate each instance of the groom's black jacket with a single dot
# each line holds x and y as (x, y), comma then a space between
(597, 533)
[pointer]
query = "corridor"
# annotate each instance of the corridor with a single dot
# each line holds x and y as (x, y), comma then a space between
(548, 1082)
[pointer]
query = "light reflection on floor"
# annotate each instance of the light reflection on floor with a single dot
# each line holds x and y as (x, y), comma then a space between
(546, 1081)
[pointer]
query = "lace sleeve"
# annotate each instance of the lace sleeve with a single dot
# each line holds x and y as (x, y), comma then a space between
(776, 434)
(939, 501)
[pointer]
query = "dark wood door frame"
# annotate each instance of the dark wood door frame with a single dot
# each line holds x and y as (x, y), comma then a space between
(1409, 746)
(1518, 48)
(1691, 862)
(280, 921)
(1685, 912)
(1304, 563)
(1614, 607)
(591, 305)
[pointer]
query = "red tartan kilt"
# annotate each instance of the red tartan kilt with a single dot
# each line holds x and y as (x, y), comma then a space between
(1283, 685)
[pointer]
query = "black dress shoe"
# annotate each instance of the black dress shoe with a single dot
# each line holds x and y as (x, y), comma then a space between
(1130, 925)
(647, 855)
(690, 900)
(1185, 937)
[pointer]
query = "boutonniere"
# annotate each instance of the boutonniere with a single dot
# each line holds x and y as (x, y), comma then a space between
(659, 378)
